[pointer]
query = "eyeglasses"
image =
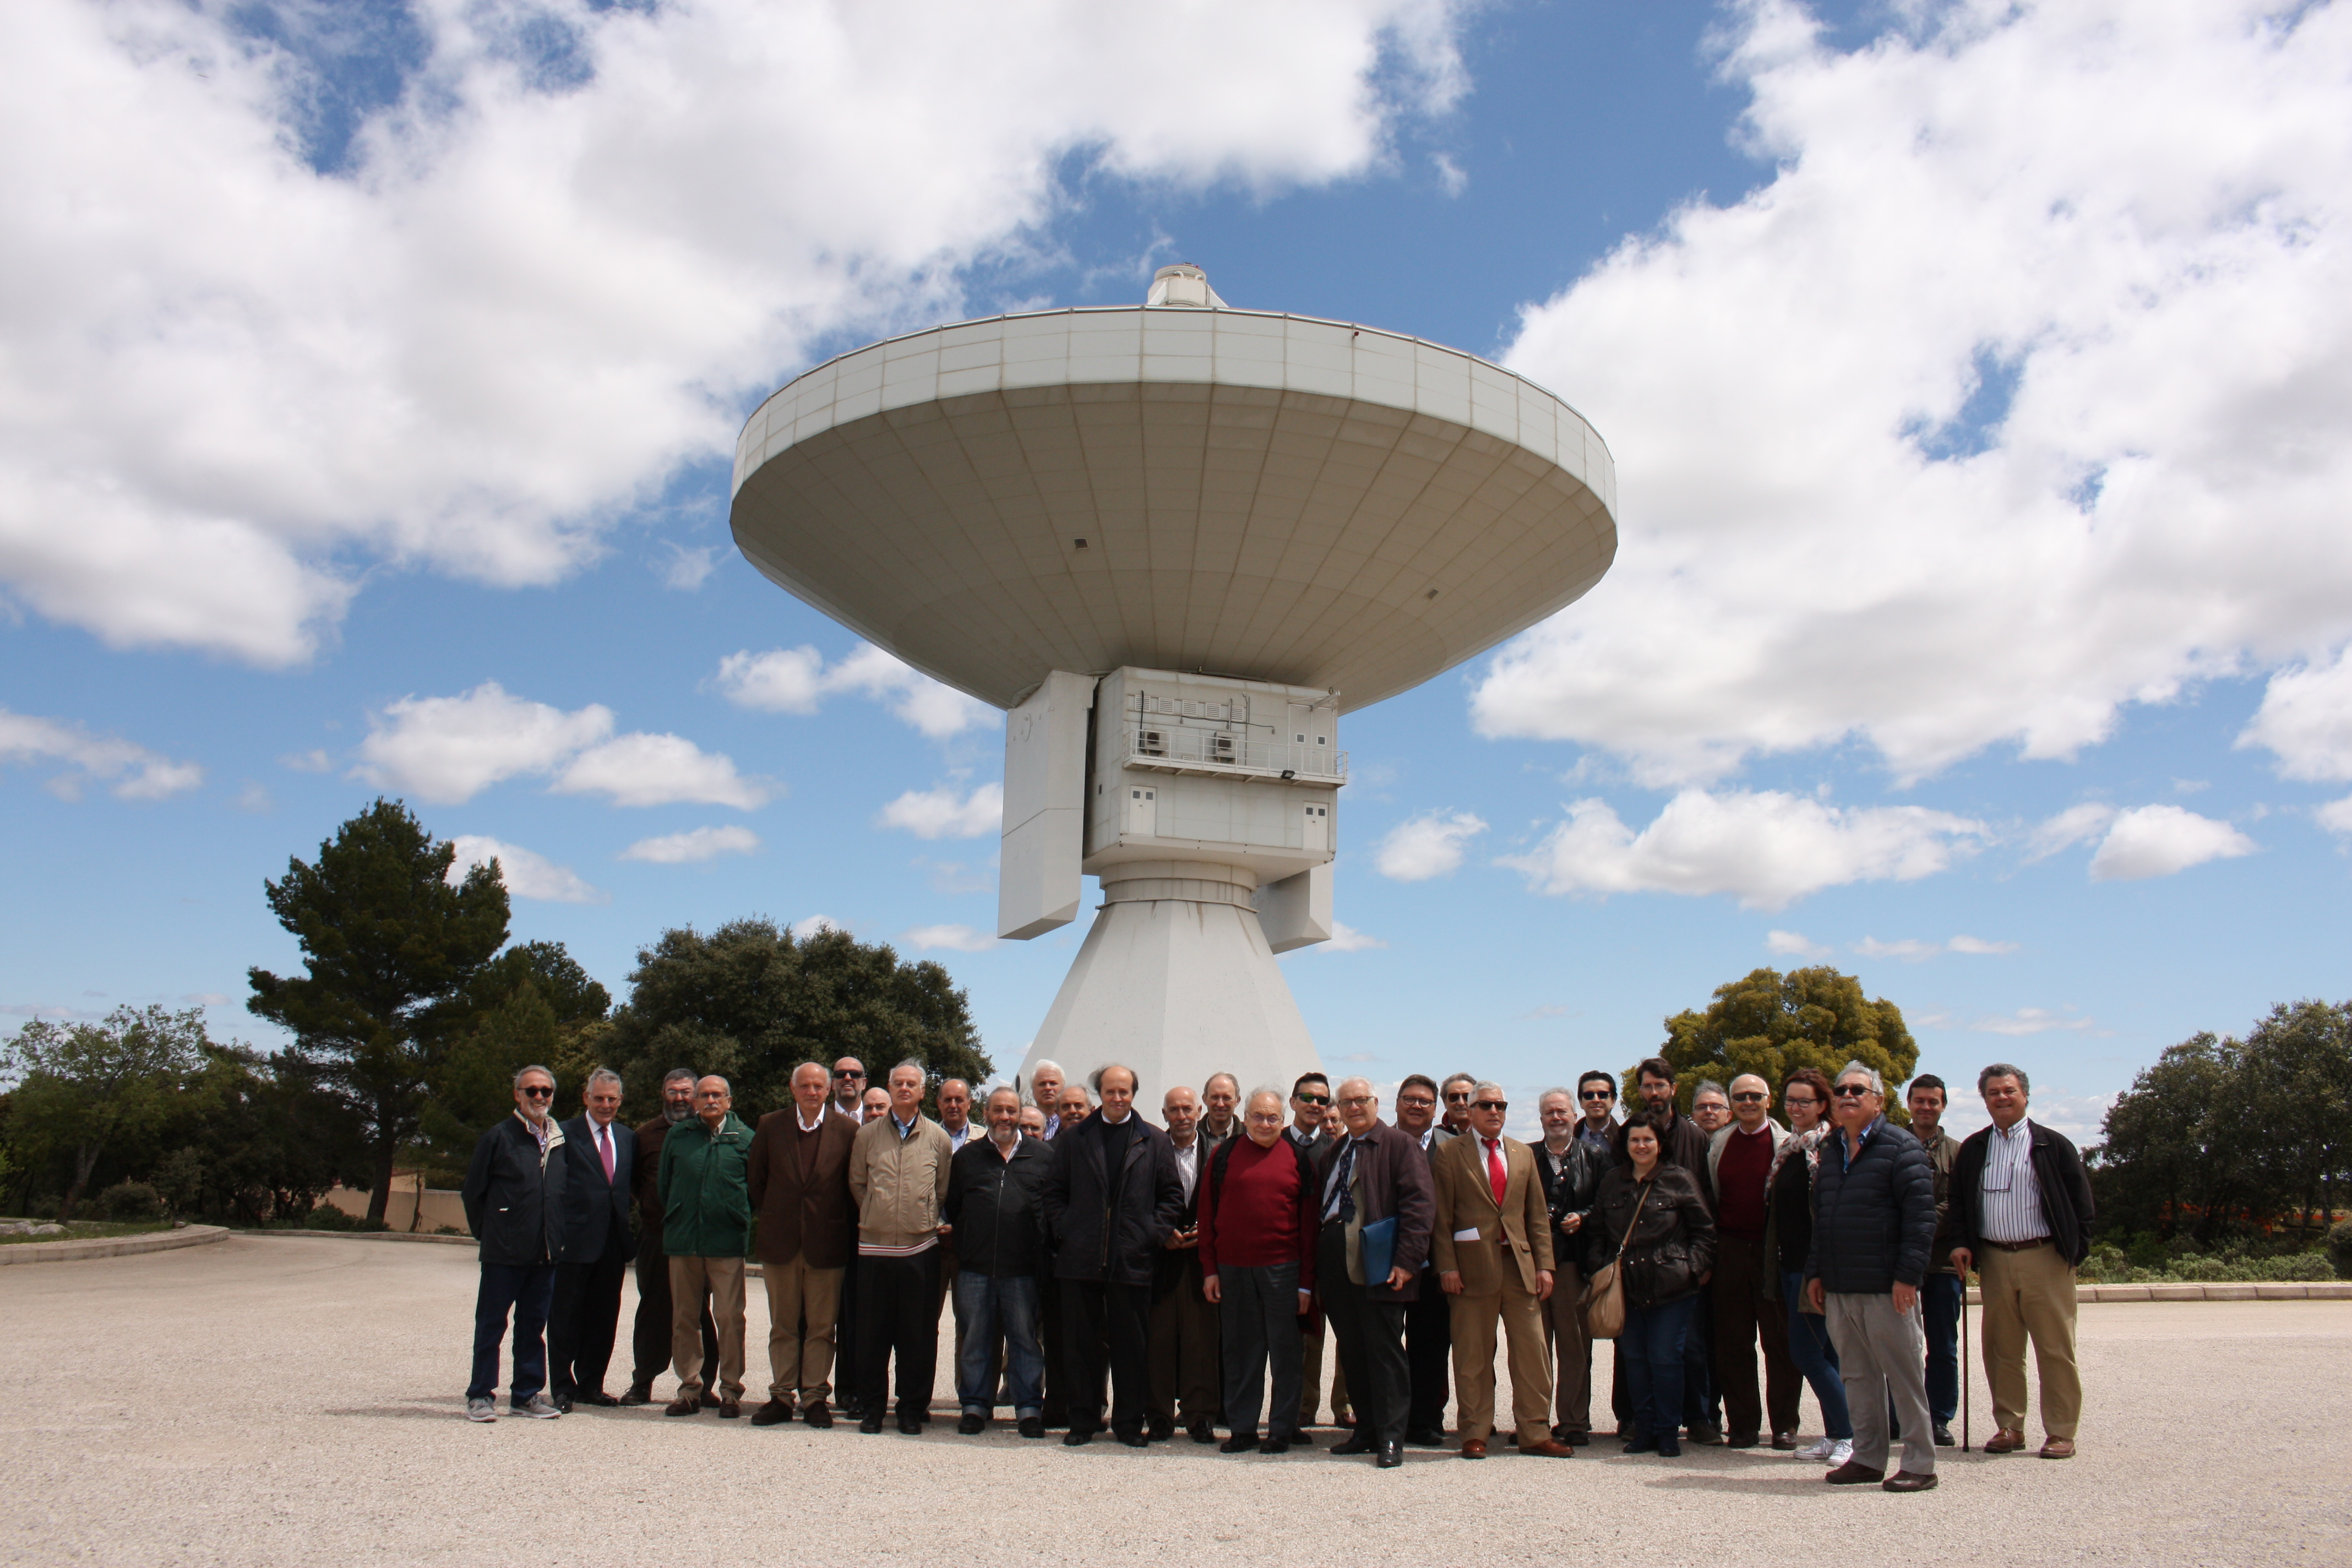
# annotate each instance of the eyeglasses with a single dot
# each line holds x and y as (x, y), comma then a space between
(1355, 1099)
(537, 1091)
(1421, 1101)
(847, 1072)
(1490, 1105)
(1312, 1099)
(1461, 1099)
(1598, 1094)
(1748, 1096)
(1851, 1090)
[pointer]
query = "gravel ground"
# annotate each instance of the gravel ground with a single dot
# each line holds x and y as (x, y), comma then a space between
(297, 1401)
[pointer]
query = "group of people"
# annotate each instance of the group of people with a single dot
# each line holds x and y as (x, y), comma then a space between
(1108, 1273)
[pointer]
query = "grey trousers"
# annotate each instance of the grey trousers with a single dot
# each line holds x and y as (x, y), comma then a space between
(1259, 1322)
(1883, 1355)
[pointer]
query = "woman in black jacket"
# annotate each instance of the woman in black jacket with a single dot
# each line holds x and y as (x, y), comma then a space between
(1669, 1255)
(1805, 1096)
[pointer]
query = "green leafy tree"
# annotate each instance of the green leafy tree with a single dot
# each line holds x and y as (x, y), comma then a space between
(2298, 1086)
(257, 1137)
(83, 1088)
(2174, 1151)
(394, 952)
(1771, 1024)
(751, 1001)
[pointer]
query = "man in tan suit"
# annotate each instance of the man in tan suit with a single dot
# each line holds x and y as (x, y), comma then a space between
(1493, 1245)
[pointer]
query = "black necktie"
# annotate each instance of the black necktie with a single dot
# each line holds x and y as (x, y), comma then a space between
(1346, 1209)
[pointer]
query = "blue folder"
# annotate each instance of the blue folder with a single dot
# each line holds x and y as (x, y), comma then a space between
(1378, 1241)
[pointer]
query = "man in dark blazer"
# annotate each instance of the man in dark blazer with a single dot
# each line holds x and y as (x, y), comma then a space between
(600, 1161)
(650, 1342)
(798, 1178)
(1185, 1380)
(513, 1197)
(1372, 1173)
(1111, 1203)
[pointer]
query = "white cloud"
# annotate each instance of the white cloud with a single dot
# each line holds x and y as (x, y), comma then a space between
(660, 770)
(1429, 845)
(2029, 1021)
(942, 813)
(2158, 840)
(525, 874)
(1979, 947)
(696, 844)
(796, 680)
(688, 570)
(1765, 847)
(446, 750)
(1345, 938)
(1792, 944)
(549, 272)
(949, 939)
(130, 772)
(310, 762)
(2305, 719)
(2013, 394)
(2336, 816)
(2075, 825)
(815, 925)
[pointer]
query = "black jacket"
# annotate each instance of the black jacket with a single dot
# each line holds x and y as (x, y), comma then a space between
(997, 1207)
(1674, 1234)
(513, 1199)
(595, 1212)
(1569, 1186)
(1874, 1223)
(1109, 1226)
(2065, 1193)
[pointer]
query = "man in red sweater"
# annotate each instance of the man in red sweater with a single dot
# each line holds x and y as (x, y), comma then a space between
(1257, 1263)
(1739, 1158)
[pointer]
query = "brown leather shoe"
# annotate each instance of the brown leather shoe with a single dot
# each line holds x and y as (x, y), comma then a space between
(2007, 1440)
(730, 1408)
(685, 1405)
(1548, 1448)
(1908, 1481)
(2058, 1449)
(1853, 1475)
(1473, 1447)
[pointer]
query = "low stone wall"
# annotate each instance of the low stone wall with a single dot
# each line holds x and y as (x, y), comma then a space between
(110, 1246)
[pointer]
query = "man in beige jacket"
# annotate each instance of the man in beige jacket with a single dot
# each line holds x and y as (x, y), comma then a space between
(899, 1174)
(1492, 1242)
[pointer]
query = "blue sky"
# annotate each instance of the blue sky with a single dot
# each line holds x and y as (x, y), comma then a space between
(1978, 408)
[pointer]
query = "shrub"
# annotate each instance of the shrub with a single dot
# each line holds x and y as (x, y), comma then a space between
(2339, 1247)
(129, 1202)
(327, 1216)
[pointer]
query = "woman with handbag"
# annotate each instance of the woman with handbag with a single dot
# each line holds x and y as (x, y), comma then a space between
(1654, 1247)
(1805, 1096)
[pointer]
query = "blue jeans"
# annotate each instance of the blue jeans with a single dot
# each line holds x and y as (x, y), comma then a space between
(1939, 1304)
(527, 1289)
(1653, 1345)
(988, 1305)
(1810, 1348)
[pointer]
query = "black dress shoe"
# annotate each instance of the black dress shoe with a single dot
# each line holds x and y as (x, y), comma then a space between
(1160, 1429)
(1077, 1438)
(1240, 1443)
(1135, 1438)
(1202, 1432)
(1576, 1439)
(563, 1402)
(817, 1416)
(1033, 1427)
(970, 1424)
(869, 1425)
(638, 1394)
(1275, 1446)
(1298, 1437)
(1392, 1456)
(1362, 1443)
(599, 1398)
(1743, 1440)
(774, 1413)
(1943, 1435)
(1425, 1437)
(911, 1425)
(1786, 1442)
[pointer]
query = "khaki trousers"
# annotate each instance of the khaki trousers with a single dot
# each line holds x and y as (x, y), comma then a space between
(804, 1305)
(2030, 1295)
(1522, 1318)
(1572, 1352)
(688, 1278)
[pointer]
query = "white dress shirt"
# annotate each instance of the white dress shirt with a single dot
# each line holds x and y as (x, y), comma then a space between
(2012, 1199)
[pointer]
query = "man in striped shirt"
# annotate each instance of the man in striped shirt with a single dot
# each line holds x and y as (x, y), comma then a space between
(2022, 1212)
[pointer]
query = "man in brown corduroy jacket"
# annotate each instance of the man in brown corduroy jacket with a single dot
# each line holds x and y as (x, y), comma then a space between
(799, 1177)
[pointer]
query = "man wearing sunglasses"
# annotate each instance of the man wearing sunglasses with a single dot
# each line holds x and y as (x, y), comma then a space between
(849, 1089)
(1311, 1108)
(1874, 1226)
(514, 1198)
(1739, 1161)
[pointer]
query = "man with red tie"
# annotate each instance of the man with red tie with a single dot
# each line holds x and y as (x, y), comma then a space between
(593, 1248)
(1492, 1242)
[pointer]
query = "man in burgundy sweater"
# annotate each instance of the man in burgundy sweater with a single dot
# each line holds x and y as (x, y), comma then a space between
(1739, 1157)
(1257, 1263)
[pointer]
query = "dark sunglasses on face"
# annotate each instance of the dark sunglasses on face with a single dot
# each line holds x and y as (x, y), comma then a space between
(1750, 1098)
(537, 1091)
(1598, 1094)
(1313, 1099)
(1851, 1090)
(1490, 1105)
(847, 1072)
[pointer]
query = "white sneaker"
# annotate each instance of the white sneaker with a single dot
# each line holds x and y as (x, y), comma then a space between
(537, 1406)
(1820, 1450)
(1840, 1454)
(481, 1410)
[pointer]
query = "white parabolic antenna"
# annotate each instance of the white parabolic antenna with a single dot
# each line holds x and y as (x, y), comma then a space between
(1176, 540)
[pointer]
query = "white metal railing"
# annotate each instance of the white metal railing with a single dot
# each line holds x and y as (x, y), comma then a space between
(1190, 746)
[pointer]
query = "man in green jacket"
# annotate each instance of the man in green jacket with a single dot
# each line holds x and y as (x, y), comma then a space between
(705, 1199)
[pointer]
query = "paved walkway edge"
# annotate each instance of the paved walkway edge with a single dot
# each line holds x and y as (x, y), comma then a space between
(368, 1236)
(109, 1247)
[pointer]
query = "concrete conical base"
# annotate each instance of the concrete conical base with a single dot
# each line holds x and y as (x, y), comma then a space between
(1177, 989)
